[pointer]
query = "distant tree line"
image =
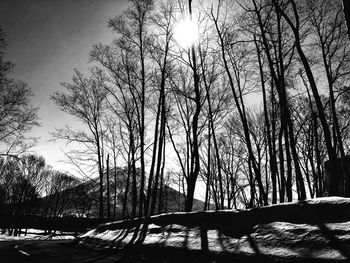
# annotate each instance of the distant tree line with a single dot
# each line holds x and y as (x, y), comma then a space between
(28, 186)
(25, 177)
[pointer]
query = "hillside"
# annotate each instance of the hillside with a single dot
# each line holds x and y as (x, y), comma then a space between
(82, 200)
(316, 230)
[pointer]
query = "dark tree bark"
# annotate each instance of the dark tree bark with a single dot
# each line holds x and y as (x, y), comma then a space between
(195, 161)
(108, 189)
(346, 6)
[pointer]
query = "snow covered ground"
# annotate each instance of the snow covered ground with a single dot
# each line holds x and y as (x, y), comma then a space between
(35, 234)
(317, 229)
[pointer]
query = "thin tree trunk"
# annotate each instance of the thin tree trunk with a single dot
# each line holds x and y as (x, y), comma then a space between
(272, 159)
(206, 200)
(125, 199)
(282, 171)
(115, 185)
(100, 170)
(108, 190)
(134, 175)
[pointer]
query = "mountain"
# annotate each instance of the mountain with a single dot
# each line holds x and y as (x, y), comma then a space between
(83, 199)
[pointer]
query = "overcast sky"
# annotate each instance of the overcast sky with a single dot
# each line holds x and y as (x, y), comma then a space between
(47, 39)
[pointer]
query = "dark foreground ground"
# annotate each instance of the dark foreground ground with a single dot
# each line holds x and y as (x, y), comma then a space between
(315, 230)
(51, 252)
(61, 251)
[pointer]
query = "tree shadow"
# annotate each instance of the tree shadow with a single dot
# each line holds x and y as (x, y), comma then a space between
(120, 238)
(253, 244)
(204, 240)
(164, 241)
(185, 241)
(334, 242)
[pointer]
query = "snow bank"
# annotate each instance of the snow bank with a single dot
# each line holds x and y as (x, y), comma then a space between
(317, 229)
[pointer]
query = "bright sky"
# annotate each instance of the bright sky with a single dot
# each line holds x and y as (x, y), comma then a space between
(47, 39)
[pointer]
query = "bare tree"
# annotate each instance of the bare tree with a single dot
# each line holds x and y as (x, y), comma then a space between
(17, 116)
(85, 100)
(235, 65)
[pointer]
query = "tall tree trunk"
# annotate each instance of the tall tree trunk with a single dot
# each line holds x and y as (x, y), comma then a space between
(206, 200)
(100, 170)
(142, 112)
(155, 152)
(160, 156)
(126, 193)
(134, 174)
(282, 170)
(162, 191)
(159, 141)
(115, 184)
(213, 133)
(108, 190)
(195, 162)
(272, 159)
(318, 156)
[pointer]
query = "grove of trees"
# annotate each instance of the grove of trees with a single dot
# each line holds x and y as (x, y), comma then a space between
(252, 109)
(247, 114)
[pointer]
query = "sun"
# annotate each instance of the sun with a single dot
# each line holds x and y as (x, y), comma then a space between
(186, 32)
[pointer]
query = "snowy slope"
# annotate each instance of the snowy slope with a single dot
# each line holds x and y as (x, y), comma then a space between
(317, 230)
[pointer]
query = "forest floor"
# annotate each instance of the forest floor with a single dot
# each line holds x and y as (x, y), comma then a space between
(316, 230)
